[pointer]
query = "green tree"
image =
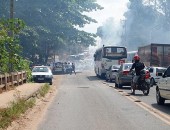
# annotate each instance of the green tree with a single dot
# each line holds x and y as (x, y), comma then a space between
(55, 24)
(9, 47)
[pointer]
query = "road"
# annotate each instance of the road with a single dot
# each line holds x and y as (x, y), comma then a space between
(85, 102)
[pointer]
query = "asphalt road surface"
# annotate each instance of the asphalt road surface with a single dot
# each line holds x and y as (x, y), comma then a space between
(85, 102)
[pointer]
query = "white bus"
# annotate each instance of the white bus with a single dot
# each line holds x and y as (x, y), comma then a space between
(106, 56)
(130, 55)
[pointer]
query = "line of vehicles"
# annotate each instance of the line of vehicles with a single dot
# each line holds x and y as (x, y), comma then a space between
(61, 67)
(44, 74)
(114, 62)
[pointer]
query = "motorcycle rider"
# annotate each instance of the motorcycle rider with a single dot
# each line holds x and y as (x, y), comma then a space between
(138, 66)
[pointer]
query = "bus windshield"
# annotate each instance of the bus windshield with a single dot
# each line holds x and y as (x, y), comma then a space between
(115, 52)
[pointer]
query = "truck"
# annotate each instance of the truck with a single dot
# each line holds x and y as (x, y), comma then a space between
(155, 54)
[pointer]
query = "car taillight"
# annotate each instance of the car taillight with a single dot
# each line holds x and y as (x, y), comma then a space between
(147, 76)
(126, 72)
(156, 73)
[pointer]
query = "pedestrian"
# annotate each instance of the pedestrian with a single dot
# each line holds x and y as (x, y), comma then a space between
(69, 68)
(73, 68)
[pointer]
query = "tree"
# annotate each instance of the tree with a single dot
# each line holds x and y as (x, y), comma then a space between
(55, 24)
(9, 47)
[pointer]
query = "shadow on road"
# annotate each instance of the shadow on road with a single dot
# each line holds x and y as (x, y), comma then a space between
(127, 88)
(77, 72)
(92, 78)
(164, 108)
(139, 95)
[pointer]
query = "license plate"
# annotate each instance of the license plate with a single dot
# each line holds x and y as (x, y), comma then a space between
(40, 78)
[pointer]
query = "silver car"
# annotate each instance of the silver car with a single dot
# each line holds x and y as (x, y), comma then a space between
(163, 87)
(123, 78)
(111, 72)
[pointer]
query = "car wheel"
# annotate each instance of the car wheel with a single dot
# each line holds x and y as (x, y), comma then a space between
(51, 83)
(132, 88)
(152, 82)
(111, 80)
(116, 85)
(159, 99)
(147, 89)
(103, 76)
(119, 84)
(107, 78)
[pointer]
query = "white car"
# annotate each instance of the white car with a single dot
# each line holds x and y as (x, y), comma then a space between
(42, 74)
(163, 87)
(154, 74)
(111, 72)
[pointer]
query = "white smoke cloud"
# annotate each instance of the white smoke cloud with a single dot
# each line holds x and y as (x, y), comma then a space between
(111, 20)
(112, 9)
(112, 32)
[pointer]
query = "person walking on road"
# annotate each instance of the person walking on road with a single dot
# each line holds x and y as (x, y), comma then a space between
(73, 68)
(69, 66)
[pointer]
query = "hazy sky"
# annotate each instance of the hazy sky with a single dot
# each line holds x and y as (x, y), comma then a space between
(112, 8)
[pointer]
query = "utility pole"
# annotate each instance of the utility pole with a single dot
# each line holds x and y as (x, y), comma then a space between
(11, 9)
(11, 32)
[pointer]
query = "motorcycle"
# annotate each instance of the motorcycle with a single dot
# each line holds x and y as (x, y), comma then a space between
(143, 83)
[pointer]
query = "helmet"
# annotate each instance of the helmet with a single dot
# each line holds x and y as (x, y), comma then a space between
(136, 57)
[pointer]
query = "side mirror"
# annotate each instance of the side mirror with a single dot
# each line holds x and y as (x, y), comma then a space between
(164, 75)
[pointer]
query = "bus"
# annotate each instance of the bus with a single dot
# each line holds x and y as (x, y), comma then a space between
(106, 56)
(130, 55)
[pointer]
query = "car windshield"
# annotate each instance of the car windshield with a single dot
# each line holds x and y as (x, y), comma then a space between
(40, 69)
(160, 70)
(58, 64)
(127, 66)
(116, 67)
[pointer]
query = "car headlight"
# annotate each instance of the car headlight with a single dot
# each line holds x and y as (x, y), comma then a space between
(33, 76)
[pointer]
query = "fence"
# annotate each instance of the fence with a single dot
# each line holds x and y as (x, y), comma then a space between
(12, 79)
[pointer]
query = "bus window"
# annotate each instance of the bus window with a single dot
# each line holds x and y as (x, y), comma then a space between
(115, 52)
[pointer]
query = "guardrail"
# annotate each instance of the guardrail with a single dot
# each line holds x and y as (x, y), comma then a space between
(12, 79)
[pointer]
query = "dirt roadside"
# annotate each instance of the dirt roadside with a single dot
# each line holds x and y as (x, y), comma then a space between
(31, 119)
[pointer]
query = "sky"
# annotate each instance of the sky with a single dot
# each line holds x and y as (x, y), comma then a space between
(112, 8)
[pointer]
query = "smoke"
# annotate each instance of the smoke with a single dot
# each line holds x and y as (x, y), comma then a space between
(113, 27)
(145, 23)
(111, 32)
(110, 21)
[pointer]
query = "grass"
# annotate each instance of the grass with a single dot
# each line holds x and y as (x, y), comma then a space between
(44, 90)
(18, 108)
